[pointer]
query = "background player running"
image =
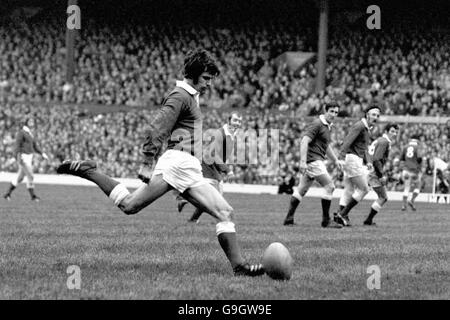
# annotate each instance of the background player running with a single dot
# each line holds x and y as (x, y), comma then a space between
(179, 120)
(314, 147)
(378, 156)
(412, 172)
(214, 171)
(25, 146)
(354, 149)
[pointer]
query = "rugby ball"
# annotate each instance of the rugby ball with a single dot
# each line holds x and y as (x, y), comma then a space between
(277, 262)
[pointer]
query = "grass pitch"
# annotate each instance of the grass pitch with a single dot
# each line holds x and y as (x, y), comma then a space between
(157, 255)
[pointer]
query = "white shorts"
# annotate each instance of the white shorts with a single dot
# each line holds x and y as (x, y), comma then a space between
(316, 168)
(27, 159)
(414, 176)
(180, 169)
(353, 166)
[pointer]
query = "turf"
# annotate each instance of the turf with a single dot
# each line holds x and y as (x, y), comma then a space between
(157, 255)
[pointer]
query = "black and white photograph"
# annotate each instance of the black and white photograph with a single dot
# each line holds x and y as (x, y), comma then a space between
(224, 155)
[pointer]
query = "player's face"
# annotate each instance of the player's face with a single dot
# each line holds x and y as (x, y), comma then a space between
(235, 122)
(331, 114)
(392, 134)
(204, 82)
(373, 115)
(30, 124)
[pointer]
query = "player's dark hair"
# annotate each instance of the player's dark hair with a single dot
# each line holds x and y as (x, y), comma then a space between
(391, 125)
(415, 137)
(330, 105)
(198, 61)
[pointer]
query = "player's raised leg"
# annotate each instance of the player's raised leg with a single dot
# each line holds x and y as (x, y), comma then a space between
(129, 203)
(207, 197)
(296, 198)
(376, 205)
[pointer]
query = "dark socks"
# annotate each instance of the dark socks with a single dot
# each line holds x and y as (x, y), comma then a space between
(196, 215)
(31, 191)
(371, 215)
(326, 209)
(10, 190)
(292, 207)
(348, 207)
(228, 242)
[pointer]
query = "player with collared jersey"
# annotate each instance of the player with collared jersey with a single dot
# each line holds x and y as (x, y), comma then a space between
(354, 150)
(25, 146)
(412, 172)
(378, 154)
(314, 147)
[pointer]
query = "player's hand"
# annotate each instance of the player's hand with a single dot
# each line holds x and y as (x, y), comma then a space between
(369, 167)
(383, 180)
(44, 155)
(146, 172)
(303, 166)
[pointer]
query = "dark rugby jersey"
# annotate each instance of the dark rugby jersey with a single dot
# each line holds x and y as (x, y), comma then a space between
(25, 143)
(357, 139)
(320, 133)
(413, 162)
(213, 167)
(379, 153)
(179, 120)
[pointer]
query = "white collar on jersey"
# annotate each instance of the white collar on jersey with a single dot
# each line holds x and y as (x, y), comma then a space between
(324, 121)
(387, 138)
(228, 132)
(364, 121)
(27, 130)
(414, 142)
(187, 87)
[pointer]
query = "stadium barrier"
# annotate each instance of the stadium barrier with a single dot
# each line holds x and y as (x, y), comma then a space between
(228, 187)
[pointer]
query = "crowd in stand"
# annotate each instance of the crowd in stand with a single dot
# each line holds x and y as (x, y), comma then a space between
(136, 64)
